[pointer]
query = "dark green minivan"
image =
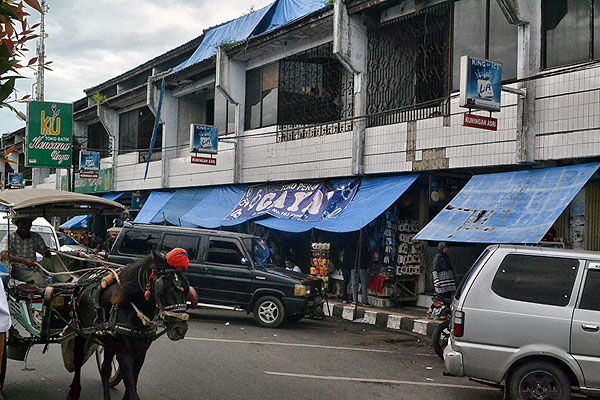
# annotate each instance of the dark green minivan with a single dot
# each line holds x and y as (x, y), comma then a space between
(228, 270)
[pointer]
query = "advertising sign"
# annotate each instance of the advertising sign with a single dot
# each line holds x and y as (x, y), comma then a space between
(300, 201)
(89, 160)
(49, 134)
(204, 160)
(480, 84)
(204, 139)
(15, 180)
(102, 183)
(479, 121)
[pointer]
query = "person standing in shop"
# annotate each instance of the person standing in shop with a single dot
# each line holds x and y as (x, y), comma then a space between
(443, 274)
(360, 273)
(346, 256)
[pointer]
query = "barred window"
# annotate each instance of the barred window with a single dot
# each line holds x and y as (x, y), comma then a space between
(314, 88)
(408, 74)
(261, 96)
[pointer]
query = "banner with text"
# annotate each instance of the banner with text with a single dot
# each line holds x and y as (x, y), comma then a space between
(300, 201)
(49, 134)
(103, 183)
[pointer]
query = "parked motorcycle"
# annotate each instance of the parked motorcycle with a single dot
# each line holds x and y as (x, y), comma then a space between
(440, 310)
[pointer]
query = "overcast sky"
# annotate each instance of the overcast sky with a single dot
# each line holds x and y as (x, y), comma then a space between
(91, 41)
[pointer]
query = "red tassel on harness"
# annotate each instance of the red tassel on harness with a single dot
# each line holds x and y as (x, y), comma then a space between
(178, 259)
(147, 293)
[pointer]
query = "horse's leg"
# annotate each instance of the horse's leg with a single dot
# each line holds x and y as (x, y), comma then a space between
(78, 355)
(126, 363)
(106, 370)
(139, 360)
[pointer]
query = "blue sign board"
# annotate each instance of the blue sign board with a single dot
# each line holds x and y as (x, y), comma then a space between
(89, 161)
(15, 180)
(204, 139)
(300, 201)
(480, 84)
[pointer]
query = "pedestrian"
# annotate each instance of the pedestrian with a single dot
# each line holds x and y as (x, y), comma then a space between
(346, 256)
(443, 274)
(360, 273)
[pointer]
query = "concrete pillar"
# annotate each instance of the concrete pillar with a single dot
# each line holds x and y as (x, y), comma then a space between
(528, 16)
(168, 119)
(350, 46)
(231, 82)
(110, 120)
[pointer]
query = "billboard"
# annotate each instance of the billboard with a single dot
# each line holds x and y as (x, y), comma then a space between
(204, 139)
(49, 134)
(480, 84)
(89, 160)
(15, 180)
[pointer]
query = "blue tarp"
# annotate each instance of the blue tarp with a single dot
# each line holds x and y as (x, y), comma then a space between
(155, 202)
(180, 203)
(287, 11)
(211, 211)
(374, 196)
(233, 31)
(80, 221)
(509, 207)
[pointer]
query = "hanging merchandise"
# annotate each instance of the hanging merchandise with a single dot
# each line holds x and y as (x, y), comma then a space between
(320, 262)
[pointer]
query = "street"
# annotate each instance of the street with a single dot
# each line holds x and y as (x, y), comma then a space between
(226, 356)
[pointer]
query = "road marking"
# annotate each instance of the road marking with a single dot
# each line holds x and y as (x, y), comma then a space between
(316, 346)
(372, 380)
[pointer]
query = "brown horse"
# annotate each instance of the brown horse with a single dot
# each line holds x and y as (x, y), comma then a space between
(124, 318)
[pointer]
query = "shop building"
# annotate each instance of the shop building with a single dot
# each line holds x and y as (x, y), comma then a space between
(360, 89)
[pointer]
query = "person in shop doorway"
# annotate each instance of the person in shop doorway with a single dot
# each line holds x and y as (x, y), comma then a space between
(346, 256)
(360, 274)
(290, 265)
(443, 275)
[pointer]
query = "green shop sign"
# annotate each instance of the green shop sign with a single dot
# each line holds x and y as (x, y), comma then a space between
(49, 134)
(103, 183)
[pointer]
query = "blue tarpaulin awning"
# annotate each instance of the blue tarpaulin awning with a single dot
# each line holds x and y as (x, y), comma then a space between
(80, 221)
(374, 196)
(180, 203)
(155, 202)
(510, 207)
(211, 211)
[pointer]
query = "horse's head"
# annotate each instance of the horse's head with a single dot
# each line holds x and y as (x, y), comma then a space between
(171, 291)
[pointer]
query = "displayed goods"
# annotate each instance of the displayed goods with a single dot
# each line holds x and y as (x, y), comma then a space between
(320, 261)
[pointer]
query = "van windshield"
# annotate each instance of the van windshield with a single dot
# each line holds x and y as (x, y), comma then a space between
(261, 254)
(468, 275)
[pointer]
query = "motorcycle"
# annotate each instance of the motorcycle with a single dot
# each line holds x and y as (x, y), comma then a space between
(440, 310)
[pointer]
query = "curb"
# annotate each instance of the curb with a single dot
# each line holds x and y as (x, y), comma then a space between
(389, 320)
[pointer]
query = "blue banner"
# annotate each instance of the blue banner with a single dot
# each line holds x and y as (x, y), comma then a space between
(89, 160)
(204, 139)
(480, 84)
(299, 201)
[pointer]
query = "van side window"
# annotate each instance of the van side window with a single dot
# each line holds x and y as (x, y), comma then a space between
(590, 300)
(536, 279)
(224, 252)
(188, 243)
(139, 242)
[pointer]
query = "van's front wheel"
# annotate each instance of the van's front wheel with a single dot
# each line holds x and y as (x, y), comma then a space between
(539, 380)
(269, 312)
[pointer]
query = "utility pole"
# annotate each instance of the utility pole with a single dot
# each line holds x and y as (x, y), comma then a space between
(41, 55)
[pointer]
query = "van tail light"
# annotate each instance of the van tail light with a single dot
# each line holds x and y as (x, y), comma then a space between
(458, 323)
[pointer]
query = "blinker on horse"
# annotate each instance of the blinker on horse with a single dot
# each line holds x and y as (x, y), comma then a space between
(124, 317)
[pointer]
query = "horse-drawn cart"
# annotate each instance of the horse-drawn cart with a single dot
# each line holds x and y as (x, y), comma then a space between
(83, 302)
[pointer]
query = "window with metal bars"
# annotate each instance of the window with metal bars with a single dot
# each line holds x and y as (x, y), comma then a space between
(314, 89)
(408, 67)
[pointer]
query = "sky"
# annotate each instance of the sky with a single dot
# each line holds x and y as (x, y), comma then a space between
(91, 41)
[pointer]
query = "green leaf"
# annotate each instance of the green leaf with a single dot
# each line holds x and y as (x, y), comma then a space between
(7, 89)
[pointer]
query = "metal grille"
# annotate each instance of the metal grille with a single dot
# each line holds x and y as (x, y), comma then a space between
(408, 67)
(314, 89)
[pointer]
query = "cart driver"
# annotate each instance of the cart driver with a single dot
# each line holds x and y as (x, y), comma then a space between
(23, 246)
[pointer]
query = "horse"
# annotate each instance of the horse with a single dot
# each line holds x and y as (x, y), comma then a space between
(123, 317)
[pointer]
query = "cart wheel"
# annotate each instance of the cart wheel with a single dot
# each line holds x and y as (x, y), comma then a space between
(115, 372)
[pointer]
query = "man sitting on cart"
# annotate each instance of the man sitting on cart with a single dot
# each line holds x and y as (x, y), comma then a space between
(22, 252)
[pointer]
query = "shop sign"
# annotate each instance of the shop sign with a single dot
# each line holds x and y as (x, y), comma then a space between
(102, 183)
(480, 84)
(89, 160)
(300, 201)
(49, 134)
(204, 139)
(479, 121)
(204, 160)
(15, 180)
(88, 175)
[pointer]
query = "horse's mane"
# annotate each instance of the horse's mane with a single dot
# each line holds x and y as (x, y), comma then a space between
(130, 280)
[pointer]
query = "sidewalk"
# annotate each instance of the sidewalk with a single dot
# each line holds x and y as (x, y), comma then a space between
(407, 319)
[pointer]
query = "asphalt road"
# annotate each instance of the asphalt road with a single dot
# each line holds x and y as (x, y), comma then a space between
(226, 356)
